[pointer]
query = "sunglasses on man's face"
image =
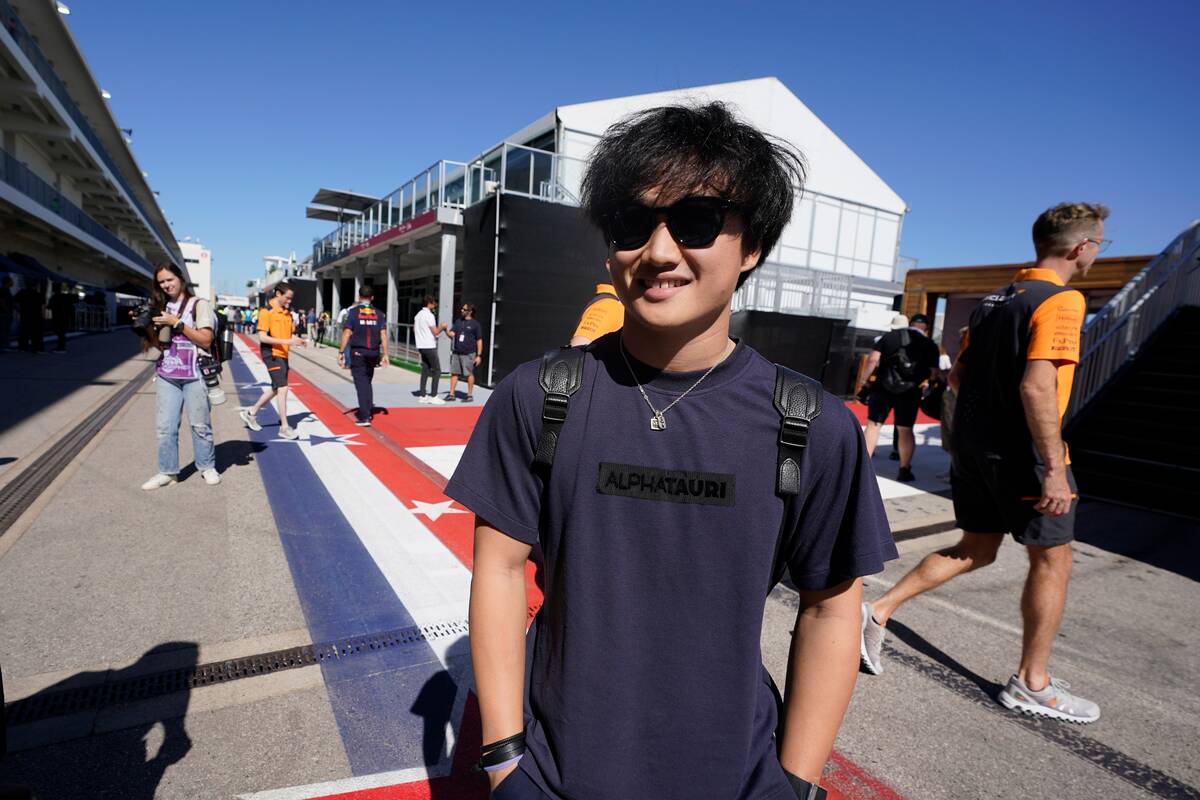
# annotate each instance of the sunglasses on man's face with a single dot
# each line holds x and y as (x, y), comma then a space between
(692, 222)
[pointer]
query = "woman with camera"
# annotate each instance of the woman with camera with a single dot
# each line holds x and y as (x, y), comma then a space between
(182, 331)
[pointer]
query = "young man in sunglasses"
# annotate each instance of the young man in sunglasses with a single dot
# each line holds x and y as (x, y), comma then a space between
(658, 521)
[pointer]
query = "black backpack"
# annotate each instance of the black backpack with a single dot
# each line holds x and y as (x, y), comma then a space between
(899, 373)
(216, 349)
(797, 398)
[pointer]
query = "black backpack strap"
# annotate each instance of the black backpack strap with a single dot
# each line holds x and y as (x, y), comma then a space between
(798, 401)
(560, 375)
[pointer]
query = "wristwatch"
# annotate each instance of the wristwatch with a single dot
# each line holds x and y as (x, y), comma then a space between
(178, 327)
(805, 790)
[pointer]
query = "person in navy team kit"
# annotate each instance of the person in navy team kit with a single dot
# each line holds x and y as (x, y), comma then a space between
(363, 348)
(466, 351)
(659, 519)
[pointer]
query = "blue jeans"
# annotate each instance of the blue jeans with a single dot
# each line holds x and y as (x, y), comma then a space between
(173, 397)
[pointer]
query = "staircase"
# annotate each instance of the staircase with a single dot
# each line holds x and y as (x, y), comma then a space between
(1134, 422)
(1139, 442)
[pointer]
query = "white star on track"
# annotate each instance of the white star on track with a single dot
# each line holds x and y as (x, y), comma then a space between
(435, 510)
(313, 440)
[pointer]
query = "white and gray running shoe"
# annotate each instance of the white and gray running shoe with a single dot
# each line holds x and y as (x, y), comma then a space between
(248, 418)
(1054, 701)
(870, 646)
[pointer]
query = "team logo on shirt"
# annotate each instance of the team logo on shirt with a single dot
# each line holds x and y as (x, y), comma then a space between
(672, 486)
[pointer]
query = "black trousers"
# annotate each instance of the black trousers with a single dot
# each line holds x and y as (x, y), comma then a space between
(362, 369)
(60, 329)
(430, 366)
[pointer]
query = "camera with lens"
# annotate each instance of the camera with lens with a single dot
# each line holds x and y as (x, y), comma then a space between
(143, 323)
(210, 371)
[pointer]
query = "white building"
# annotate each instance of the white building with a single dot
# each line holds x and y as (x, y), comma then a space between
(466, 229)
(75, 205)
(848, 221)
(198, 259)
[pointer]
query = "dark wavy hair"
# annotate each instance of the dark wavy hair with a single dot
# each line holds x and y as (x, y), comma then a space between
(684, 149)
(158, 298)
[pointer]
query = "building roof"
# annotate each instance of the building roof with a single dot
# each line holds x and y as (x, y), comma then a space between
(339, 198)
(331, 214)
(834, 169)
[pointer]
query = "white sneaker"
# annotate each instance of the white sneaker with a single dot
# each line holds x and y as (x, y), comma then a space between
(423, 399)
(211, 477)
(1054, 701)
(288, 433)
(249, 419)
(158, 481)
(434, 400)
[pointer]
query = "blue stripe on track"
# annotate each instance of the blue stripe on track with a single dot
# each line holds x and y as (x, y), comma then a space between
(382, 700)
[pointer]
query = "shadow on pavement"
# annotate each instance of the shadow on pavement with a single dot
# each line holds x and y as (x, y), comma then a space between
(234, 453)
(435, 705)
(1170, 543)
(30, 383)
(125, 764)
(922, 646)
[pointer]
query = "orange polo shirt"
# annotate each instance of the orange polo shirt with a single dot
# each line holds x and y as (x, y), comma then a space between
(276, 322)
(603, 314)
(1055, 330)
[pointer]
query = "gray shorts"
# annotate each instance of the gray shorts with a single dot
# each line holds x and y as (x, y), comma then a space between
(462, 364)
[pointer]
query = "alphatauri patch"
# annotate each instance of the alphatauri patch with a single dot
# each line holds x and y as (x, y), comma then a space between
(669, 485)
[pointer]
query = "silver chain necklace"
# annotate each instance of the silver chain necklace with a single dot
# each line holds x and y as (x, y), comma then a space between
(658, 422)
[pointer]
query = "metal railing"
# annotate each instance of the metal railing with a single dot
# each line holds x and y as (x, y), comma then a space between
(511, 168)
(28, 183)
(788, 289)
(29, 47)
(91, 318)
(1119, 330)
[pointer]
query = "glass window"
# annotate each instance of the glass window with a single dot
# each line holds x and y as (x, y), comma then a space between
(825, 227)
(887, 229)
(866, 232)
(847, 233)
(518, 171)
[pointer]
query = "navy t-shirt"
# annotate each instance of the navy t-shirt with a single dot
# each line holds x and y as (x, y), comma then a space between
(646, 677)
(367, 327)
(466, 332)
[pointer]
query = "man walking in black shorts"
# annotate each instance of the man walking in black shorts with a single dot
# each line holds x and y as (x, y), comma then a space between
(364, 347)
(1011, 470)
(903, 360)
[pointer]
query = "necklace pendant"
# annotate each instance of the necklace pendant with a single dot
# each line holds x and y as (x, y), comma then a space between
(658, 422)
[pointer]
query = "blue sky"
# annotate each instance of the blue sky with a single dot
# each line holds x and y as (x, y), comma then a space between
(978, 115)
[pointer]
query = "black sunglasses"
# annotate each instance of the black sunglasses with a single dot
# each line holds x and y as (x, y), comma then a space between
(692, 222)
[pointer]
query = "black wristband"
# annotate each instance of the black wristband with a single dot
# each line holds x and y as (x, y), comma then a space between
(178, 327)
(805, 790)
(500, 751)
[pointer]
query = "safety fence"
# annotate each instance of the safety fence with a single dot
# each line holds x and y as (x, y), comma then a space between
(1126, 323)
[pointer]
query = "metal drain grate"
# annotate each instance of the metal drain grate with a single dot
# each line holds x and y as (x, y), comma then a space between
(46, 705)
(21, 492)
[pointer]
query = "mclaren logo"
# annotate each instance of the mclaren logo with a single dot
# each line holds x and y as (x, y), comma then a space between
(672, 486)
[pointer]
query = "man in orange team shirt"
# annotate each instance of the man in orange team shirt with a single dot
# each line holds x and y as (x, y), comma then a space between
(1011, 471)
(275, 336)
(602, 315)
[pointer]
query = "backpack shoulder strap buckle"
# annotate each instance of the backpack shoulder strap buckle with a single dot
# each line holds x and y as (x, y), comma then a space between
(560, 375)
(798, 401)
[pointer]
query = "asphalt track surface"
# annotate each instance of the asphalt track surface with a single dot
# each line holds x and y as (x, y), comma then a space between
(350, 536)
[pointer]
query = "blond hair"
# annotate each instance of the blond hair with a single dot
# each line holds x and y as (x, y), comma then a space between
(1058, 229)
